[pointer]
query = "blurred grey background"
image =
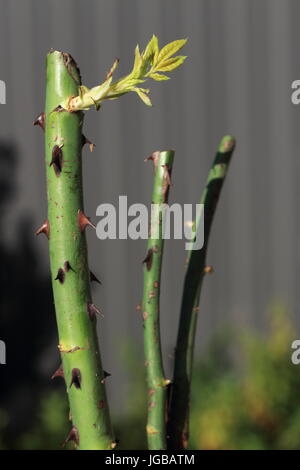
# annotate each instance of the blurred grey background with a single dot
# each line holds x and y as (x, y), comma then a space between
(242, 58)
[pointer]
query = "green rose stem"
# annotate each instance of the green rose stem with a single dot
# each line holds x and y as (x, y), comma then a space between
(66, 98)
(178, 422)
(65, 228)
(156, 381)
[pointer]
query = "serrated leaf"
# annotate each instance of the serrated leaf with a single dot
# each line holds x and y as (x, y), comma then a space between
(171, 64)
(155, 49)
(151, 49)
(144, 97)
(170, 49)
(149, 55)
(159, 77)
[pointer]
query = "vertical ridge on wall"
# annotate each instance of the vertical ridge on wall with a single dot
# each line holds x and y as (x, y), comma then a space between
(242, 59)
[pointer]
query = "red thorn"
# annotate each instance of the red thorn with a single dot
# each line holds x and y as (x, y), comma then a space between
(92, 310)
(68, 267)
(148, 259)
(154, 157)
(60, 276)
(40, 121)
(44, 229)
(57, 159)
(58, 373)
(84, 221)
(72, 436)
(87, 141)
(94, 278)
(76, 378)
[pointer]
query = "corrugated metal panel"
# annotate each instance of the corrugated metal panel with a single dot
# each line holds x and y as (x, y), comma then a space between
(243, 56)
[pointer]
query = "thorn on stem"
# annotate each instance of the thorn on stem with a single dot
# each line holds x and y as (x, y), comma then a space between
(58, 373)
(68, 267)
(154, 157)
(105, 375)
(83, 221)
(84, 141)
(72, 436)
(57, 159)
(40, 121)
(76, 378)
(44, 229)
(93, 278)
(92, 311)
(60, 276)
(149, 258)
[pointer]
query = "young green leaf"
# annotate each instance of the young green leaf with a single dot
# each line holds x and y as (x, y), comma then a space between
(146, 65)
(151, 52)
(170, 49)
(144, 97)
(159, 77)
(171, 64)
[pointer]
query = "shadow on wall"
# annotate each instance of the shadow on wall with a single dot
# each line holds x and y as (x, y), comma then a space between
(27, 321)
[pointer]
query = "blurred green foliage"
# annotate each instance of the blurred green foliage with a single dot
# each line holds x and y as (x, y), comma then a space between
(246, 391)
(245, 395)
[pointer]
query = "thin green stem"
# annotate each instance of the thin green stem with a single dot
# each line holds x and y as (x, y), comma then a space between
(156, 381)
(178, 422)
(65, 228)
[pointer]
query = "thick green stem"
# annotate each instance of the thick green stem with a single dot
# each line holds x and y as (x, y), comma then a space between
(156, 381)
(178, 422)
(66, 225)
